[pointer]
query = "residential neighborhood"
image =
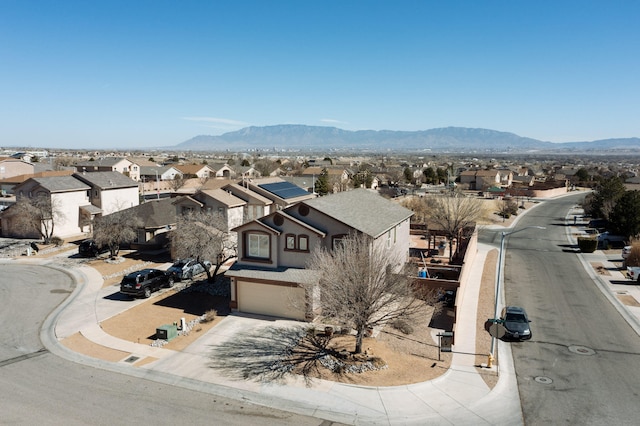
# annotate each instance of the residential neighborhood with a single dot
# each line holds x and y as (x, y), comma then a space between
(272, 227)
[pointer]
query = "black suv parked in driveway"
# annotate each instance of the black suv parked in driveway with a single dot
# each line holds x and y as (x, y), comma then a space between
(144, 282)
(89, 248)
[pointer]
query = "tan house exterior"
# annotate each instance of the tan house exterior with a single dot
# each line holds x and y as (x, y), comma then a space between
(201, 171)
(68, 195)
(274, 250)
(111, 164)
(11, 167)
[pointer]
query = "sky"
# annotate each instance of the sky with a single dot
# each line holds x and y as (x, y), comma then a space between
(136, 74)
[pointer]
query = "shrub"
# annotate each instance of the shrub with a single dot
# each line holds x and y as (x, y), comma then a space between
(402, 326)
(587, 245)
(210, 315)
(57, 241)
(634, 256)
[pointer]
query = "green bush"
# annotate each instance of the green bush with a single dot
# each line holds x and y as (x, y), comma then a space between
(587, 245)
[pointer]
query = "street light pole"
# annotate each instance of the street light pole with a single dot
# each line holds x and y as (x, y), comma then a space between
(498, 280)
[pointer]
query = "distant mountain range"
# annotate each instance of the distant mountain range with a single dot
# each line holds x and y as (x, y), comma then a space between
(449, 139)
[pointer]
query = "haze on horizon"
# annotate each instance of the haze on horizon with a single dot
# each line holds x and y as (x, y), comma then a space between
(143, 74)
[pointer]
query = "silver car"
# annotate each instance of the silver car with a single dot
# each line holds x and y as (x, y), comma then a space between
(185, 269)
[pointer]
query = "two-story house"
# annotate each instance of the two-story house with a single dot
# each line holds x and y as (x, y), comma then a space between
(111, 164)
(215, 201)
(110, 191)
(68, 196)
(273, 251)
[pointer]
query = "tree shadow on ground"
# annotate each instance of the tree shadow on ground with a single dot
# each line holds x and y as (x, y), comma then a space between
(272, 353)
(162, 256)
(196, 303)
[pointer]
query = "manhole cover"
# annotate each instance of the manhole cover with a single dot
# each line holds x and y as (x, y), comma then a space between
(132, 359)
(581, 350)
(543, 380)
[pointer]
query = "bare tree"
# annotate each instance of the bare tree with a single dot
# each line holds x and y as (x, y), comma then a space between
(177, 182)
(361, 285)
(38, 214)
(204, 236)
(116, 228)
(453, 212)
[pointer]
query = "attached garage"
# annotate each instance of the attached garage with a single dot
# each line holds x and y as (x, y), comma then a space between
(286, 301)
(272, 292)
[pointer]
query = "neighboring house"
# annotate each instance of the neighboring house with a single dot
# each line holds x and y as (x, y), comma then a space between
(7, 185)
(282, 193)
(68, 197)
(256, 205)
(77, 199)
(200, 171)
(223, 170)
(274, 250)
(11, 167)
(158, 217)
(158, 173)
(111, 164)
(217, 201)
(482, 180)
(524, 180)
(110, 191)
(335, 174)
(247, 172)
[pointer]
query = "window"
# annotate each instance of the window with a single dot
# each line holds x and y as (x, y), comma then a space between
(336, 241)
(258, 246)
(291, 242)
(303, 243)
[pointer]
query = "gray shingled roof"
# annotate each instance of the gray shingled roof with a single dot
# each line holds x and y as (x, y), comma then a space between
(156, 213)
(106, 180)
(61, 183)
(101, 162)
(361, 209)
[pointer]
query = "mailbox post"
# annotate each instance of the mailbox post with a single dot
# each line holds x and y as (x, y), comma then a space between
(445, 342)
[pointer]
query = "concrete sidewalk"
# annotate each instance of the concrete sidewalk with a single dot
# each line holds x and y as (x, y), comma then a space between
(460, 396)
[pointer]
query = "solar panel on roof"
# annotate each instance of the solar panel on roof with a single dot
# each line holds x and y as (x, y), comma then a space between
(284, 190)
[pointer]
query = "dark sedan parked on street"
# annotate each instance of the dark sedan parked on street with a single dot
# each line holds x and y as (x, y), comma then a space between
(516, 323)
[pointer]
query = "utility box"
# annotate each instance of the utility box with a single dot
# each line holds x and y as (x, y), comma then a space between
(167, 332)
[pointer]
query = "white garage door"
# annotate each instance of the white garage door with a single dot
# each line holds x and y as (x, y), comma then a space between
(273, 300)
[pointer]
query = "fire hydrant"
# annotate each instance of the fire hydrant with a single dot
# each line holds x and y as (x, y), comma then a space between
(490, 361)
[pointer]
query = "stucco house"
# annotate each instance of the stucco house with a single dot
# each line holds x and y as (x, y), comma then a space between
(227, 205)
(11, 167)
(256, 205)
(76, 200)
(482, 180)
(200, 171)
(110, 191)
(68, 196)
(223, 171)
(158, 173)
(274, 250)
(111, 164)
(158, 217)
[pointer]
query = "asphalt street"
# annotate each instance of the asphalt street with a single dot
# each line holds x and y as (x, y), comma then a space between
(580, 366)
(38, 387)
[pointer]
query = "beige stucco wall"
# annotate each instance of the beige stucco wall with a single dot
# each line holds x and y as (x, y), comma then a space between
(113, 200)
(67, 222)
(11, 168)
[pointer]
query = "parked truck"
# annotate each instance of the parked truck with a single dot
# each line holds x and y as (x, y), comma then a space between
(634, 273)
